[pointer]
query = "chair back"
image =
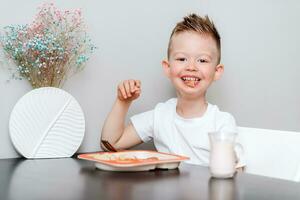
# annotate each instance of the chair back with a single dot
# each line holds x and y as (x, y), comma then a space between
(271, 153)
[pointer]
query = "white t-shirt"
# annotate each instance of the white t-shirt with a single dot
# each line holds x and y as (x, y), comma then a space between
(189, 137)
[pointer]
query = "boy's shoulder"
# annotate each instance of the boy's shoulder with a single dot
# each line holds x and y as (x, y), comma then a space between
(223, 121)
(220, 115)
(167, 104)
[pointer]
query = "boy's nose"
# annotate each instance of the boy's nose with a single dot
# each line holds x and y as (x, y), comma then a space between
(191, 67)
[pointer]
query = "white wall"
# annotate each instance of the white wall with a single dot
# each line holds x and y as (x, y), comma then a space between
(260, 48)
(261, 52)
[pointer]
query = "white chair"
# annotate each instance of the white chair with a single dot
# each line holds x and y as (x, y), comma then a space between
(271, 153)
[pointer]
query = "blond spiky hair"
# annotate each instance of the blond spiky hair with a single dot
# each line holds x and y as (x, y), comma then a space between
(201, 25)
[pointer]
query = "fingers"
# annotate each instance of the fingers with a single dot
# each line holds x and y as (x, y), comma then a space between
(126, 85)
(121, 91)
(129, 89)
(138, 84)
(132, 86)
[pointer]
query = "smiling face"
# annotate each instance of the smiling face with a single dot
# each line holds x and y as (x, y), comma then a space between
(193, 63)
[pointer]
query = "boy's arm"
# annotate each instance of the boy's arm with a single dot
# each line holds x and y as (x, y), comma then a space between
(114, 129)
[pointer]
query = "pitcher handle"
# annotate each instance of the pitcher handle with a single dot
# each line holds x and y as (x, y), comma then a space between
(239, 153)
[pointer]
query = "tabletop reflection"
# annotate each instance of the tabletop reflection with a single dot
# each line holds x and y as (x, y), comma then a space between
(222, 189)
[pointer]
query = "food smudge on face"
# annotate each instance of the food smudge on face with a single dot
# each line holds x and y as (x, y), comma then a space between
(190, 83)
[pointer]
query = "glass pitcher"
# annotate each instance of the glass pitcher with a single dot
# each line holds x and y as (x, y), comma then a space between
(223, 158)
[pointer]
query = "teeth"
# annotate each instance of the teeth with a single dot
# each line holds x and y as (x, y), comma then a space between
(190, 79)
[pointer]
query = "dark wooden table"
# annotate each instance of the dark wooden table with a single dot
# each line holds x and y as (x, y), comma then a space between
(78, 179)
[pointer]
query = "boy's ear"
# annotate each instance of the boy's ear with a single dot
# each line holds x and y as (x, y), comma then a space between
(219, 71)
(166, 66)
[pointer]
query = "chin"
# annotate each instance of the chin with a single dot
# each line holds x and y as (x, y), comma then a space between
(192, 93)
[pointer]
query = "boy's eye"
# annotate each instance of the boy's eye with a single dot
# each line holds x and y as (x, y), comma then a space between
(202, 60)
(181, 59)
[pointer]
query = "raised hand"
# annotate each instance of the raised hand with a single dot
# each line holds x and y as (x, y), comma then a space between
(129, 90)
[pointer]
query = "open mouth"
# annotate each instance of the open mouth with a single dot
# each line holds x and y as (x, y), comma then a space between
(191, 81)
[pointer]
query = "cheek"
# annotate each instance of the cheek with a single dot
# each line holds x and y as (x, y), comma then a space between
(173, 73)
(209, 73)
(174, 70)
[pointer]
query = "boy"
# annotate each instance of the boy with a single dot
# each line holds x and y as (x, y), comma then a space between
(181, 124)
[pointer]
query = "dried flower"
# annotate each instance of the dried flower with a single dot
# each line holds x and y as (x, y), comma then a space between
(50, 49)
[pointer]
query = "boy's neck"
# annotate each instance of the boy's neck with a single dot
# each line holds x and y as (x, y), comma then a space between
(191, 108)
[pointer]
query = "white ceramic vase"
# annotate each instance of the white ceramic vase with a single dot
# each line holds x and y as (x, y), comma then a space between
(47, 123)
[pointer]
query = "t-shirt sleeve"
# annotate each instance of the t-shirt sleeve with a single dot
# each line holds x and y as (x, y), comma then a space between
(227, 123)
(143, 124)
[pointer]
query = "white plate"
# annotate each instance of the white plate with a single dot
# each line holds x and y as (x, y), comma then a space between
(134, 160)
